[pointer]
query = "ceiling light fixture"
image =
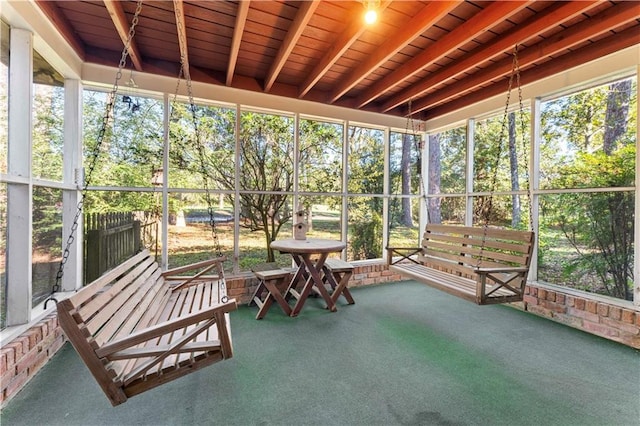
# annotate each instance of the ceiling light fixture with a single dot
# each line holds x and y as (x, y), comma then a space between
(371, 13)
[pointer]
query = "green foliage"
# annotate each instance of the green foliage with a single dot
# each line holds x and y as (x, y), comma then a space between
(366, 176)
(320, 159)
(365, 234)
(492, 168)
(48, 132)
(47, 220)
(453, 144)
(266, 151)
(598, 225)
(366, 160)
(130, 152)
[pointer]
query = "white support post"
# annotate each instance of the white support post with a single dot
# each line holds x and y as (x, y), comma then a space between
(534, 180)
(19, 192)
(387, 192)
(236, 194)
(345, 173)
(164, 232)
(471, 131)
(424, 188)
(636, 258)
(72, 157)
(296, 166)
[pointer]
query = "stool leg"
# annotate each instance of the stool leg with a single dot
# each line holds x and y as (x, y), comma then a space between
(265, 307)
(341, 288)
(257, 293)
(275, 293)
(338, 282)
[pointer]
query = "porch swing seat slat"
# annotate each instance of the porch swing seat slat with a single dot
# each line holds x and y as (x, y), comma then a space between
(481, 265)
(137, 327)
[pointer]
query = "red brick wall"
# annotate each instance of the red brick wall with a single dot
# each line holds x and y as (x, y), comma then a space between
(25, 355)
(611, 319)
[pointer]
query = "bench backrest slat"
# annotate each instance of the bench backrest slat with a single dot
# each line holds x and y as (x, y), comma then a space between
(491, 242)
(469, 254)
(497, 233)
(461, 249)
(95, 287)
(104, 305)
(119, 294)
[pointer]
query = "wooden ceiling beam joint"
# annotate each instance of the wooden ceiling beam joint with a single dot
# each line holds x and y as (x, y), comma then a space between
(338, 47)
(122, 27)
(423, 20)
(541, 22)
(181, 30)
(306, 10)
(468, 30)
(238, 30)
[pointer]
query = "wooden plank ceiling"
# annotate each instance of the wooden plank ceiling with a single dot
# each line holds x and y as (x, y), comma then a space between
(434, 56)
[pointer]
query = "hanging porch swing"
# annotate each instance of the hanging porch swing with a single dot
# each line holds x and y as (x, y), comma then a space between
(138, 327)
(484, 265)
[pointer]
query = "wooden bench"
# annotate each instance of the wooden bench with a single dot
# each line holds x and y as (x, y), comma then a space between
(482, 265)
(137, 327)
(337, 274)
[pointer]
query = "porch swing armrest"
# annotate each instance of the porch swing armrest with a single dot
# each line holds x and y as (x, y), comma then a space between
(403, 252)
(506, 269)
(173, 273)
(165, 327)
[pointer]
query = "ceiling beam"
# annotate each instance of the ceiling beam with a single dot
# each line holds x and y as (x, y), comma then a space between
(478, 24)
(338, 47)
(122, 27)
(590, 52)
(181, 29)
(606, 21)
(62, 24)
(238, 29)
(425, 18)
(305, 11)
(542, 21)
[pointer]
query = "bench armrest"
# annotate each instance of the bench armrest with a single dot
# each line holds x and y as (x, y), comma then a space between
(210, 263)
(160, 329)
(403, 252)
(205, 266)
(393, 249)
(501, 269)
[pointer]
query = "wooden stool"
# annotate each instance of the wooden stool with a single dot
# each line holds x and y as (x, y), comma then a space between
(274, 283)
(337, 273)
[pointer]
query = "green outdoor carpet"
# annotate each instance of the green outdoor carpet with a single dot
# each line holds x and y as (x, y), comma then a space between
(404, 354)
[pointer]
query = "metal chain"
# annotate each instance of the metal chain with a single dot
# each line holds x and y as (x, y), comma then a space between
(515, 71)
(201, 157)
(523, 129)
(419, 144)
(95, 155)
(199, 144)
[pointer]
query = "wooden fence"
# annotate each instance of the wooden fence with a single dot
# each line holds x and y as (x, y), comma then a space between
(111, 238)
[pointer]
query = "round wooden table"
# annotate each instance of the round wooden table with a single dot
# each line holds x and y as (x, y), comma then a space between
(302, 251)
